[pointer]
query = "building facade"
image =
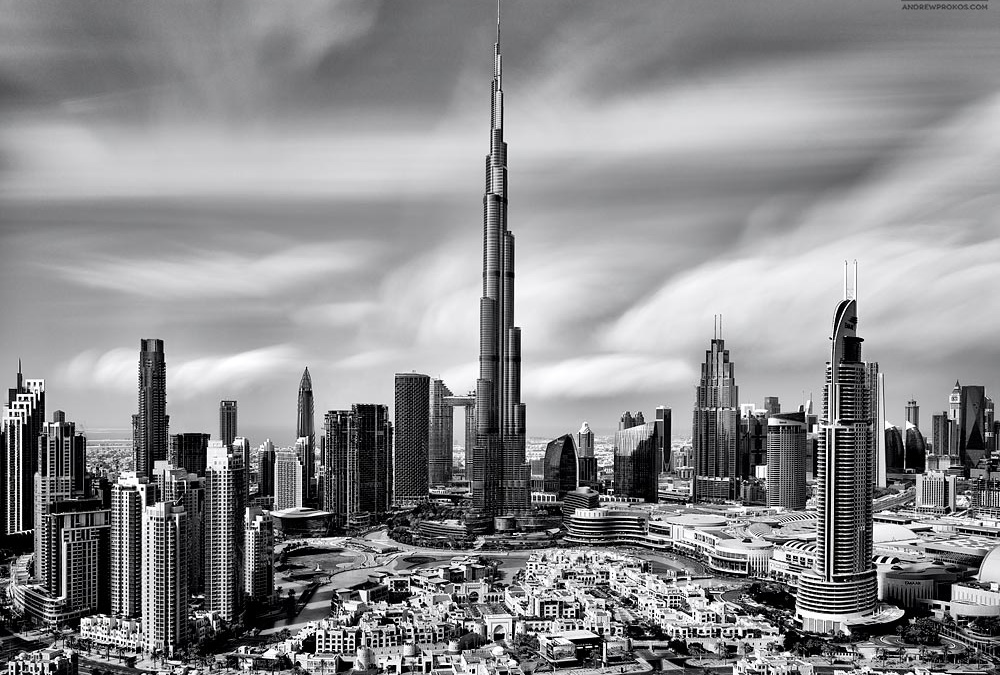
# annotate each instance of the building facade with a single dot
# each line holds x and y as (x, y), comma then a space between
(638, 457)
(165, 564)
(441, 435)
(843, 584)
(224, 531)
(129, 498)
(20, 426)
(189, 451)
(228, 429)
(305, 428)
(289, 475)
(410, 455)
(786, 461)
(259, 564)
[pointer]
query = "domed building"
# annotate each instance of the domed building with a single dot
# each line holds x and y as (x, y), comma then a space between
(989, 571)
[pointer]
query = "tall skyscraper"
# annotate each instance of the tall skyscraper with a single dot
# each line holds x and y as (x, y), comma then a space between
(843, 584)
(189, 451)
(441, 435)
(165, 562)
(715, 431)
(129, 498)
(57, 444)
(955, 403)
(288, 477)
(305, 428)
(410, 440)
(501, 480)
(151, 424)
(875, 384)
(20, 426)
(369, 469)
(941, 432)
(187, 489)
(786, 460)
(588, 462)
(265, 469)
(972, 427)
(638, 462)
(663, 435)
(337, 426)
(913, 413)
(224, 531)
(228, 429)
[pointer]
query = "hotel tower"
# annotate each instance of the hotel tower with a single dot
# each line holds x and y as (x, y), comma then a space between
(842, 586)
(500, 478)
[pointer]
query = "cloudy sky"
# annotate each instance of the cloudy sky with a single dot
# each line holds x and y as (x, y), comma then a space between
(268, 186)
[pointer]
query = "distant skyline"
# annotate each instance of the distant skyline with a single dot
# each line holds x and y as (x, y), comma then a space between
(273, 186)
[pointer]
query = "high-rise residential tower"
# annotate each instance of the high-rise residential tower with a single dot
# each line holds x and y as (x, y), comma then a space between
(716, 427)
(151, 423)
(337, 426)
(843, 584)
(305, 428)
(288, 476)
(20, 426)
(129, 498)
(913, 413)
(165, 562)
(225, 510)
(638, 462)
(265, 469)
(53, 481)
(259, 563)
(972, 427)
(501, 480)
(410, 439)
(227, 422)
(663, 414)
(786, 460)
(184, 488)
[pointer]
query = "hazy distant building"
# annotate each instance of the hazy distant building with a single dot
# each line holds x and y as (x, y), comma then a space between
(288, 477)
(224, 531)
(441, 435)
(20, 425)
(913, 413)
(715, 429)
(189, 451)
(984, 499)
(955, 405)
(410, 439)
(638, 462)
(305, 428)
(588, 462)
(771, 406)
(152, 423)
(752, 443)
(561, 466)
(786, 460)
(842, 585)
(165, 561)
(129, 498)
(941, 434)
(265, 469)
(259, 563)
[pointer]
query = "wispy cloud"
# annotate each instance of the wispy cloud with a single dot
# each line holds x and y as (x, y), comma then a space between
(218, 273)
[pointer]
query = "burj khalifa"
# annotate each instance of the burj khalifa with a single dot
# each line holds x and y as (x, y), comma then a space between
(501, 479)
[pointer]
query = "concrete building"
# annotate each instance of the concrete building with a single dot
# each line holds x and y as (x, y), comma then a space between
(189, 451)
(786, 461)
(441, 435)
(638, 456)
(288, 477)
(936, 492)
(129, 498)
(165, 562)
(259, 564)
(265, 469)
(588, 462)
(369, 469)
(178, 486)
(561, 466)
(225, 529)
(715, 429)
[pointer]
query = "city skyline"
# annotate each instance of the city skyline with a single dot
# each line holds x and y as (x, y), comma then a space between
(279, 229)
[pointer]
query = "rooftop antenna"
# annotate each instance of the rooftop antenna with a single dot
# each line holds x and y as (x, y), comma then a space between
(720, 327)
(715, 326)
